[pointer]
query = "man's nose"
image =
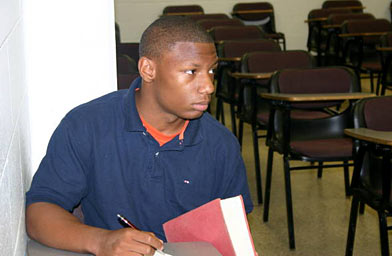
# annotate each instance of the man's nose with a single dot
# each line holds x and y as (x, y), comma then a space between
(207, 84)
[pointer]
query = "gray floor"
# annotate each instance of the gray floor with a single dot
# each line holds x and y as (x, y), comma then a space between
(321, 210)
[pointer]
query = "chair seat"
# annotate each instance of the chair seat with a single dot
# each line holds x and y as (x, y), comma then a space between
(263, 116)
(275, 36)
(372, 65)
(324, 148)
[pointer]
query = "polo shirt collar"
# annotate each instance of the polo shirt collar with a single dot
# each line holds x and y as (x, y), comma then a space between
(192, 135)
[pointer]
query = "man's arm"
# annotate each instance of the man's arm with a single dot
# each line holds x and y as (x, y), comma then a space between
(54, 226)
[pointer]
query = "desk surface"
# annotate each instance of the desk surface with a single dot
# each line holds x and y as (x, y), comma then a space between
(316, 19)
(175, 249)
(378, 137)
(236, 59)
(252, 11)
(384, 49)
(316, 97)
(251, 75)
(362, 34)
(182, 13)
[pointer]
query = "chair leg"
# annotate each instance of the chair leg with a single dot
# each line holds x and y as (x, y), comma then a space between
(320, 170)
(371, 82)
(267, 193)
(222, 113)
(352, 226)
(361, 208)
(257, 164)
(289, 203)
(240, 131)
(218, 108)
(379, 74)
(233, 121)
(346, 180)
(383, 233)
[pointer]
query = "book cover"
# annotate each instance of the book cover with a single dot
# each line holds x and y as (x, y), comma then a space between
(222, 223)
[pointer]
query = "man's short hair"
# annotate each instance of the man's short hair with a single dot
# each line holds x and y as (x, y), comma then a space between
(165, 32)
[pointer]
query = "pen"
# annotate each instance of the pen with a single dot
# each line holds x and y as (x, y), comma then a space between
(124, 220)
(127, 222)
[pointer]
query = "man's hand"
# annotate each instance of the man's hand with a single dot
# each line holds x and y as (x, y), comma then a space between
(53, 226)
(128, 242)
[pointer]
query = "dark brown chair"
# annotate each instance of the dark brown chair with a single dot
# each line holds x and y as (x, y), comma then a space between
(209, 16)
(221, 33)
(317, 35)
(125, 80)
(210, 23)
(360, 39)
(390, 9)
(353, 5)
(183, 9)
(126, 64)
(309, 139)
(385, 52)
(129, 49)
(251, 109)
(126, 71)
(261, 14)
(333, 48)
(371, 181)
(230, 53)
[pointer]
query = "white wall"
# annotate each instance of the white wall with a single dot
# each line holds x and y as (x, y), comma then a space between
(14, 129)
(54, 55)
(134, 16)
(70, 58)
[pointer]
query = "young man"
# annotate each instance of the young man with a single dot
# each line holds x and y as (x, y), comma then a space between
(149, 153)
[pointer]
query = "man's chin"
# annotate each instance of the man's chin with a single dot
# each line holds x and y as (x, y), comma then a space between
(193, 115)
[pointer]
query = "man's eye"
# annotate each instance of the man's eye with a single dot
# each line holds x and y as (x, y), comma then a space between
(190, 72)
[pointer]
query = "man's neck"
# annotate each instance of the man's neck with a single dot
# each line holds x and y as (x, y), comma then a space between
(163, 122)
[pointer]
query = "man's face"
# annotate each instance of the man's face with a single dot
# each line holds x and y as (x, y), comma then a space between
(184, 79)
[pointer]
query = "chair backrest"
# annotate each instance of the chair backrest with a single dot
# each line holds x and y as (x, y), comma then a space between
(374, 113)
(210, 16)
(256, 13)
(117, 33)
(314, 80)
(367, 26)
(221, 33)
(315, 35)
(125, 80)
(130, 49)
(268, 61)
(237, 48)
(324, 13)
(126, 65)
(181, 9)
(339, 18)
(265, 62)
(210, 23)
(349, 4)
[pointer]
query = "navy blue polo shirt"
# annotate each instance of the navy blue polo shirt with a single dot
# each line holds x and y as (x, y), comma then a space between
(101, 156)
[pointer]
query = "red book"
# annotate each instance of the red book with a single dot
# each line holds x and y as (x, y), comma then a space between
(221, 222)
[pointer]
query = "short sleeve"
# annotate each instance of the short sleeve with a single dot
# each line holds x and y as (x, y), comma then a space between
(61, 176)
(234, 178)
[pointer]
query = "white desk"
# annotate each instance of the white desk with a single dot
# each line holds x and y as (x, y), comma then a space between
(175, 249)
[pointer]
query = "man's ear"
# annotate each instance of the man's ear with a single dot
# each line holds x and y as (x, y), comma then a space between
(146, 69)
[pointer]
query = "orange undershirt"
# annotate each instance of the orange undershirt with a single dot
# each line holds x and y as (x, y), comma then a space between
(160, 137)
